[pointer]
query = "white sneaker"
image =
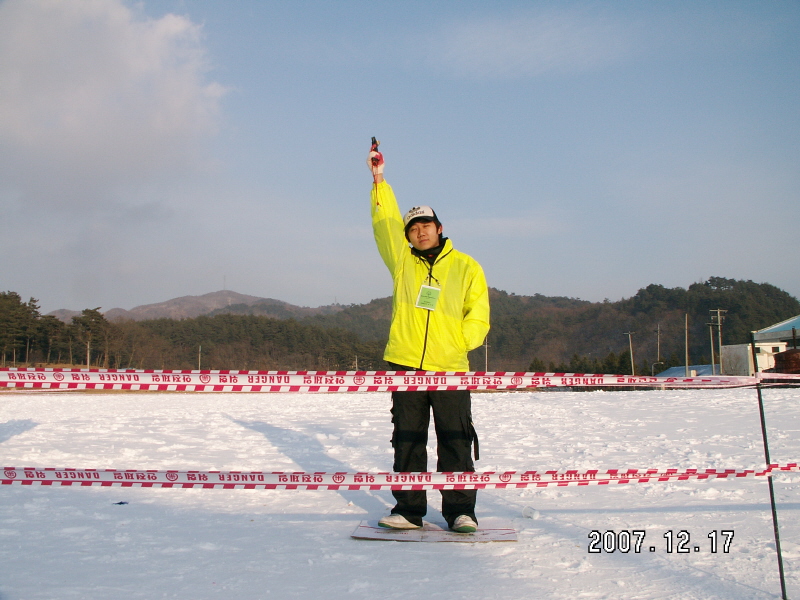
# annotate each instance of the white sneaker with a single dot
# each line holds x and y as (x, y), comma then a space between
(397, 522)
(464, 524)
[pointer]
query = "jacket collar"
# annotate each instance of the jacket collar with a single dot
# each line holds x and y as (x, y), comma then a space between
(432, 254)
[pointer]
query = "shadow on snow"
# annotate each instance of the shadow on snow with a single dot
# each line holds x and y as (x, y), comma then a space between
(15, 427)
(310, 455)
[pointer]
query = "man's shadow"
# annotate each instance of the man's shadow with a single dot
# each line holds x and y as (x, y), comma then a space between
(15, 427)
(310, 455)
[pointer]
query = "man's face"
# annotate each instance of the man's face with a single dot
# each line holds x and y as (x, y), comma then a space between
(424, 235)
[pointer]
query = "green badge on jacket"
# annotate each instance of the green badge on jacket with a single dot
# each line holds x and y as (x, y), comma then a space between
(428, 297)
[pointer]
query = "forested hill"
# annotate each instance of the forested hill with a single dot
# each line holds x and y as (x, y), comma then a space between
(596, 330)
(555, 329)
(528, 332)
(371, 321)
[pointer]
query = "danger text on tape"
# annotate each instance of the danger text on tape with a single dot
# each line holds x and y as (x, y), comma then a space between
(340, 381)
(368, 481)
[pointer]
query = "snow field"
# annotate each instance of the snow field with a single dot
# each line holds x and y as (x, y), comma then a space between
(74, 542)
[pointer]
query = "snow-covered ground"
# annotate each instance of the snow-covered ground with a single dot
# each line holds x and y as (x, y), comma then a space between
(74, 542)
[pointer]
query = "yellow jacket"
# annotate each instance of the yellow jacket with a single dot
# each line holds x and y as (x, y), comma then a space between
(429, 340)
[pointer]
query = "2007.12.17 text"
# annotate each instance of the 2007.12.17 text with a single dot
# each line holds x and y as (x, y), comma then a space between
(626, 541)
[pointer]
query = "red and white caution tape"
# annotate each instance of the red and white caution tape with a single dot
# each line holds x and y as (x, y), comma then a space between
(363, 481)
(779, 377)
(337, 381)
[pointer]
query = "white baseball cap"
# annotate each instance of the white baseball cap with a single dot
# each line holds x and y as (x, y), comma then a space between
(420, 213)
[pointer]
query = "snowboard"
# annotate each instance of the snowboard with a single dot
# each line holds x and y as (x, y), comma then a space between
(491, 531)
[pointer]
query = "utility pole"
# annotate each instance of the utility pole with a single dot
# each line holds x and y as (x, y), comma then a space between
(199, 356)
(658, 343)
(711, 341)
(717, 319)
(486, 354)
(630, 346)
(658, 350)
(686, 343)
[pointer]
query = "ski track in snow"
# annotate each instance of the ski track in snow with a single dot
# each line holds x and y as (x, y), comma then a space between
(74, 542)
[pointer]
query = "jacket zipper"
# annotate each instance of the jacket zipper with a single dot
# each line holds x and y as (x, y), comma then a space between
(425, 341)
(428, 316)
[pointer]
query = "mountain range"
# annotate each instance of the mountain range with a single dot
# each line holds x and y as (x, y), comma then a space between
(551, 329)
(189, 307)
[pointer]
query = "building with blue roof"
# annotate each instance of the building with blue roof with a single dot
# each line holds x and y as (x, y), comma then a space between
(785, 331)
(738, 359)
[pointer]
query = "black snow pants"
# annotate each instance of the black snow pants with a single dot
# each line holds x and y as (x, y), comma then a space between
(452, 417)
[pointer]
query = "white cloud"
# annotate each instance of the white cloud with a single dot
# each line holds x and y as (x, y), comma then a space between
(526, 45)
(94, 98)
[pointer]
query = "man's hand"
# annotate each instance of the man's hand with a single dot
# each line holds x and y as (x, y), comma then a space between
(375, 162)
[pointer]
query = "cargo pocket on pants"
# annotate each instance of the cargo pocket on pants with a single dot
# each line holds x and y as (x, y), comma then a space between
(474, 438)
(471, 435)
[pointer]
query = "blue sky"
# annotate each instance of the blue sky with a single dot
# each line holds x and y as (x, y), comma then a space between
(157, 149)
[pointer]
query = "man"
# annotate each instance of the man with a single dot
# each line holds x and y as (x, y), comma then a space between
(440, 311)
